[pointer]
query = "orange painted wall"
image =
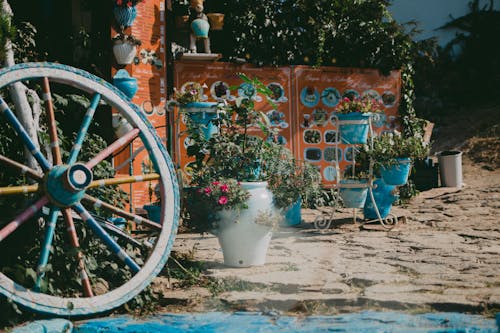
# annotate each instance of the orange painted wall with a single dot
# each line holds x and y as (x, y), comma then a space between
(149, 27)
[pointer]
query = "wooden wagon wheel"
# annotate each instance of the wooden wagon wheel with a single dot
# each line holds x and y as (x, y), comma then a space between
(62, 187)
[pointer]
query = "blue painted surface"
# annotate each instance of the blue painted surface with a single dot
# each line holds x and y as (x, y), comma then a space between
(396, 174)
(249, 322)
(292, 214)
(200, 28)
(384, 199)
(353, 197)
(126, 83)
(46, 326)
(125, 16)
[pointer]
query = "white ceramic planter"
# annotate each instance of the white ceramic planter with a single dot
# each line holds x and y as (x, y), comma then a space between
(124, 52)
(244, 242)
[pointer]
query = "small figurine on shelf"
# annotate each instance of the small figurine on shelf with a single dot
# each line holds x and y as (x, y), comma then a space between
(198, 22)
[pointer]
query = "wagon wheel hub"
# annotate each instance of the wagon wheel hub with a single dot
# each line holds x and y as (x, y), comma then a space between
(65, 185)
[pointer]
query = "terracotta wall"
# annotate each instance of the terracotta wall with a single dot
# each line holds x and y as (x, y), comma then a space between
(149, 70)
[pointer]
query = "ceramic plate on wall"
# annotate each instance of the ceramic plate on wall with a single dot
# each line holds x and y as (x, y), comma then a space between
(277, 92)
(329, 154)
(319, 117)
(309, 96)
(372, 94)
(388, 99)
(312, 136)
(351, 94)
(220, 89)
(330, 174)
(191, 85)
(330, 97)
(312, 154)
(248, 90)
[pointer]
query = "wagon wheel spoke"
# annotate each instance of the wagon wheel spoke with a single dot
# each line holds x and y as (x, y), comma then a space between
(23, 217)
(124, 180)
(120, 212)
(115, 146)
(54, 141)
(22, 189)
(110, 242)
(35, 151)
(46, 246)
(87, 119)
(70, 228)
(23, 168)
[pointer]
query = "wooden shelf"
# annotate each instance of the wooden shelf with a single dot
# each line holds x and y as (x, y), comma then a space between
(200, 56)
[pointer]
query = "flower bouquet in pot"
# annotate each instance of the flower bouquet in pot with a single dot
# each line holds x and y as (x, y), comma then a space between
(394, 154)
(353, 115)
(125, 12)
(241, 152)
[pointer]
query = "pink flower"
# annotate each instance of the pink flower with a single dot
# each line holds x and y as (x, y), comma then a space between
(222, 200)
(215, 183)
(224, 188)
(346, 99)
(207, 190)
(119, 2)
(129, 3)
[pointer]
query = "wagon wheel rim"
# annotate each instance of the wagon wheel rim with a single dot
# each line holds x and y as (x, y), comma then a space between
(78, 177)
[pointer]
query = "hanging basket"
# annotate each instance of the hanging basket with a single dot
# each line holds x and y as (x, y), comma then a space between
(124, 52)
(126, 83)
(396, 174)
(355, 132)
(125, 16)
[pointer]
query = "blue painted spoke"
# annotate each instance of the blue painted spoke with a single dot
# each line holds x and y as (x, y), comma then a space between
(47, 244)
(18, 127)
(87, 119)
(110, 242)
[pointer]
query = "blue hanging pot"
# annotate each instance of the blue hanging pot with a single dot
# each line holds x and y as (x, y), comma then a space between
(396, 174)
(354, 133)
(200, 28)
(125, 16)
(127, 84)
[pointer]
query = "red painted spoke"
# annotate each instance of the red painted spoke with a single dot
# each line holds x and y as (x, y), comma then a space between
(54, 141)
(120, 212)
(112, 148)
(70, 227)
(23, 168)
(23, 217)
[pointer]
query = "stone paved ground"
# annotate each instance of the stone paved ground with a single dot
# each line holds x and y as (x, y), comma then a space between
(445, 257)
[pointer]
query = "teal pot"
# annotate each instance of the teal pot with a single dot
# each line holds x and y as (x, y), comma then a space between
(125, 16)
(126, 83)
(353, 197)
(396, 174)
(202, 113)
(200, 28)
(244, 235)
(118, 222)
(154, 212)
(292, 214)
(354, 133)
(384, 198)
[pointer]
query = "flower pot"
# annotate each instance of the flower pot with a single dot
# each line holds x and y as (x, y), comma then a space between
(124, 52)
(216, 21)
(292, 214)
(127, 84)
(396, 174)
(125, 16)
(354, 133)
(382, 193)
(154, 212)
(202, 113)
(353, 197)
(242, 236)
(450, 168)
(200, 28)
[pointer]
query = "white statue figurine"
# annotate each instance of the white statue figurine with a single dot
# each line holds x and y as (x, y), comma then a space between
(198, 22)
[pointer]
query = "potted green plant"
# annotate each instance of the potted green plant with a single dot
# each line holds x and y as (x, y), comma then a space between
(241, 151)
(394, 154)
(353, 118)
(125, 48)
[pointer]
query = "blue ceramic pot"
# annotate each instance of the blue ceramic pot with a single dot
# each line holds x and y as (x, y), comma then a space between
(354, 133)
(127, 84)
(154, 212)
(202, 113)
(396, 174)
(292, 214)
(200, 28)
(353, 197)
(382, 193)
(125, 16)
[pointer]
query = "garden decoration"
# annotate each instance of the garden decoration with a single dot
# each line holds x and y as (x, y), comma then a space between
(355, 186)
(125, 12)
(237, 173)
(352, 118)
(60, 194)
(198, 22)
(127, 84)
(125, 48)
